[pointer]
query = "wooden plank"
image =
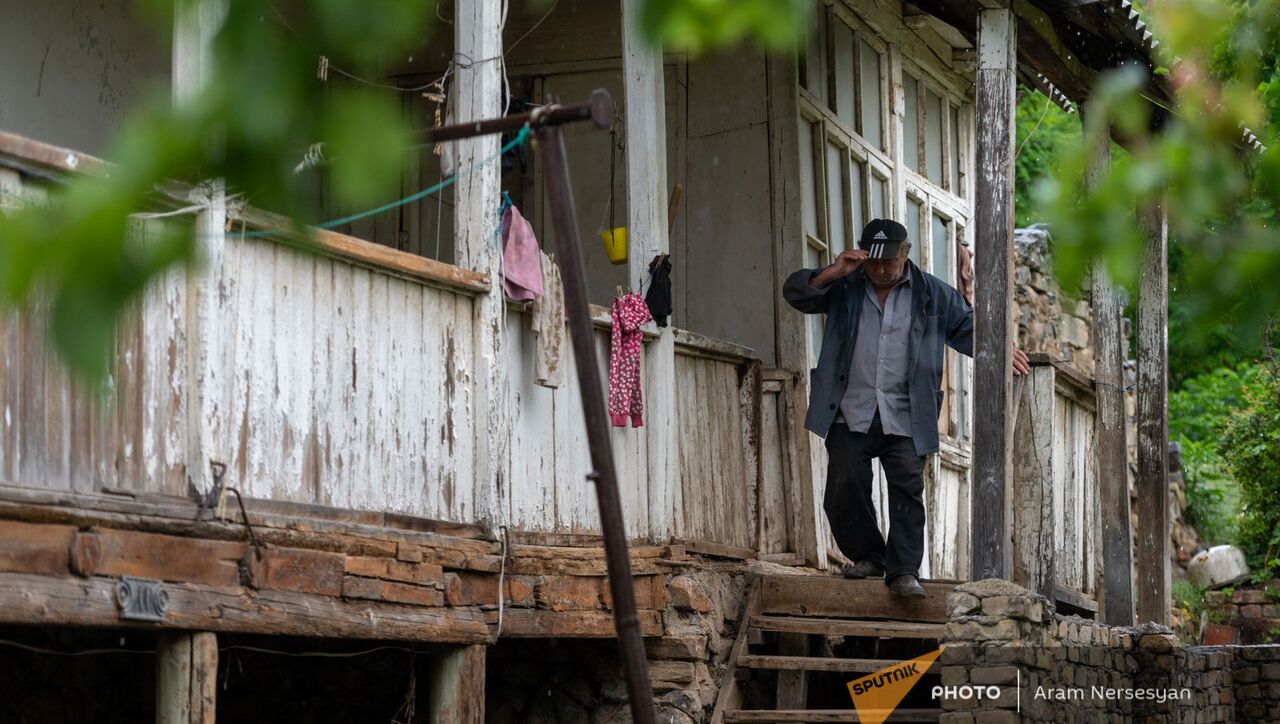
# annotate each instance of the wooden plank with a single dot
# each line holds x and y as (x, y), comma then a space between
(530, 623)
(830, 596)
(168, 558)
(49, 156)
(29, 548)
(719, 550)
(994, 333)
(368, 254)
(48, 601)
(820, 716)
(1034, 548)
(700, 345)
(186, 678)
(785, 664)
(1152, 545)
(457, 691)
(846, 627)
(1111, 432)
(792, 690)
(1074, 599)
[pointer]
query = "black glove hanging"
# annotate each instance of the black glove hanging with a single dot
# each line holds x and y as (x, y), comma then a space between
(658, 298)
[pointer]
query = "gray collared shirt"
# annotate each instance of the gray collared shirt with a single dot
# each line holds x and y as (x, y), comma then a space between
(878, 369)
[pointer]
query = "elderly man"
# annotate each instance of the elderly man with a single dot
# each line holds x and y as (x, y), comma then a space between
(877, 390)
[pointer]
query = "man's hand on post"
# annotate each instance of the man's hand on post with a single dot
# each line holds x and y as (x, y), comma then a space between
(845, 264)
(1021, 363)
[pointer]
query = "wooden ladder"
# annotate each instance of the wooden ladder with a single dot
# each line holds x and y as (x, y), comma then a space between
(803, 637)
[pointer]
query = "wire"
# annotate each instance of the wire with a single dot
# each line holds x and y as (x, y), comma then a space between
(234, 647)
(86, 652)
(546, 15)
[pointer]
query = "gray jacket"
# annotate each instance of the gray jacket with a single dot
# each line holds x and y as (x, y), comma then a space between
(939, 315)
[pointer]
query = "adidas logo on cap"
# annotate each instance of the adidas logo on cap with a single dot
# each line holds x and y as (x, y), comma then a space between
(880, 235)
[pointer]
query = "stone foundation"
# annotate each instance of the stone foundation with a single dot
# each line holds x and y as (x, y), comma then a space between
(1007, 650)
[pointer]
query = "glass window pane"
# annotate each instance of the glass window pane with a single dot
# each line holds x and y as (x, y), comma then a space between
(955, 151)
(808, 179)
(837, 193)
(879, 197)
(933, 136)
(911, 124)
(814, 65)
(869, 74)
(913, 228)
(845, 66)
(858, 215)
(940, 253)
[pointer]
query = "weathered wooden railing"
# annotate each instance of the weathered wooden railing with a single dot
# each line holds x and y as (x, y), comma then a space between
(1056, 517)
(347, 378)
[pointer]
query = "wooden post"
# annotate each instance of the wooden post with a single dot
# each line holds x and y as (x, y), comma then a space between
(793, 685)
(186, 678)
(1116, 585)
(195, 25)
(477, 45)
(646, 141)
(1153, 423)
(994, 332)
(457, 686)
(1034, 548)
(788, 255)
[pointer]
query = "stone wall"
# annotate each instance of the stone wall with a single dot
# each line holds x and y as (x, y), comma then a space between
(1009, 658)
(1244, 616)
(1048, 320)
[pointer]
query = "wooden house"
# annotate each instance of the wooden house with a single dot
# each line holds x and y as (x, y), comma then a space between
(373, 405)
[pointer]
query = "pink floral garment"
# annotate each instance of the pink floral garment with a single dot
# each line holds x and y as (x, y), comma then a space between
(629, 312)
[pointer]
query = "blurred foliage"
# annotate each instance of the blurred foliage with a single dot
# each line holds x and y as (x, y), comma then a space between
(1044, 130)
(1250, 450)
(1220, 194)
(698, 25)
(1198, 412)
(261, 110)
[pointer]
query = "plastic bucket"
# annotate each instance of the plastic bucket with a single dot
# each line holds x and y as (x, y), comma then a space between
(615, 244)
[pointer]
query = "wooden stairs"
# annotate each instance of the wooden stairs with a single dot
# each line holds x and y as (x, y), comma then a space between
(804, 637)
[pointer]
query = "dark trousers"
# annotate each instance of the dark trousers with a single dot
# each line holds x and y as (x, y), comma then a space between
(848, 502)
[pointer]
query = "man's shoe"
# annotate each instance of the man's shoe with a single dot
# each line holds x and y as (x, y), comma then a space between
(907, 587)
(862, 569)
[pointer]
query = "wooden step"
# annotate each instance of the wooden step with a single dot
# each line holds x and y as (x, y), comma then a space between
(836, 597)
(825, 715)
(820, 663)
(847, 627)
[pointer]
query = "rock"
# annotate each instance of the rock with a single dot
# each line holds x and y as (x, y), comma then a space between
(992, 587)
(688, 595)
(962, 604)
(1217, 565)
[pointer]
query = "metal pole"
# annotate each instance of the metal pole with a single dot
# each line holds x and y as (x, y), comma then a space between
(598, 108)
(635, 666)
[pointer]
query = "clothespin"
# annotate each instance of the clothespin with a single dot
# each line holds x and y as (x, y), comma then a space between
(619, 288)
(322, 71)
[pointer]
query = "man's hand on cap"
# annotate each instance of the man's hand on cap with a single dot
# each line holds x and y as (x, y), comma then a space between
(845, 264)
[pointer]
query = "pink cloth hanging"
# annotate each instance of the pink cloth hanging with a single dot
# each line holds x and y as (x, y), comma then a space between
(629, 312)
(521, 258)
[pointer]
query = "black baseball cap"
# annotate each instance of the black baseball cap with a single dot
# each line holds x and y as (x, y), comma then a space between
(882, 237)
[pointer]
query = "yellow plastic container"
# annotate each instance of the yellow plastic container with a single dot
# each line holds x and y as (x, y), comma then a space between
(615, 244)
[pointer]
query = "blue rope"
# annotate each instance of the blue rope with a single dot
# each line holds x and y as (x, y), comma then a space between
(520, 138)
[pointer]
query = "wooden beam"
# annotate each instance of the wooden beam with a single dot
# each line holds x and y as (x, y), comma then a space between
(993, 324)
(186, 678)
(1034, 547)
(27, 599)
(793, 680)
(457, 686)
(830, 596)
(478, 43)
(1115, 574)
(1153, 420)
(195, 25)
(647, 234)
